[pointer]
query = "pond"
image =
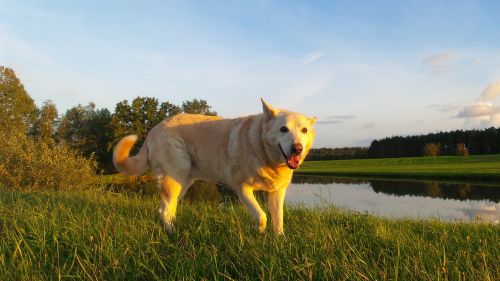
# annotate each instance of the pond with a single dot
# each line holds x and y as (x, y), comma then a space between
(464, 201)
(398, 198)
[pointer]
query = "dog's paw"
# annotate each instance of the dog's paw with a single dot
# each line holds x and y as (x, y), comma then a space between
(167, 223)
(171, 229)
(279, 232)
(261, 224)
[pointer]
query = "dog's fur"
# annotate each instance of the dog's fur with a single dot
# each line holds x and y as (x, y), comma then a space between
(247, 154)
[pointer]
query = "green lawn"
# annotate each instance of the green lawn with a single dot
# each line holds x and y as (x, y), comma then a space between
(481, 167)
(99, 235)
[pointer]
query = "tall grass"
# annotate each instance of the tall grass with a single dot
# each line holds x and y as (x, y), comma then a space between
(98, 235)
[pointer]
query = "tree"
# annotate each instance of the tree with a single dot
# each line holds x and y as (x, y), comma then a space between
(196, 106)
(44, 127)
(74, 125)
(17, 108)
(140, 116)
(89, 131)
(462, 150)
(432, 150)
(167, 109)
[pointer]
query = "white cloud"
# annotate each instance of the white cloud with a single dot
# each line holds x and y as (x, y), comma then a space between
(483, 113)
(311, 57)
(492, 121)
(491, 92)
(477, 110)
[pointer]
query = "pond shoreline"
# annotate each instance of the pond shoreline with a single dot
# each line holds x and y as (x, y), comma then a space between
(491, 180)
(477, 168)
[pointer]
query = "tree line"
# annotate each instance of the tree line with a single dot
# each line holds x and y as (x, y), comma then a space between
(89, 130)
(344, 153)
(458, 142)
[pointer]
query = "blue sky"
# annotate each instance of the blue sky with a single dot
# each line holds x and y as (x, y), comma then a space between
(366, 69)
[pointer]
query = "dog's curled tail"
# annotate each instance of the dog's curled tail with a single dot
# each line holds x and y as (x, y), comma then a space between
(134, 165)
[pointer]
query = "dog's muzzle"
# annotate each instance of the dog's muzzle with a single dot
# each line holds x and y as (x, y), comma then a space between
(293, 161)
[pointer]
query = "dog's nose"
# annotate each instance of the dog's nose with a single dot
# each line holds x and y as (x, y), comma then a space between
(297, 148)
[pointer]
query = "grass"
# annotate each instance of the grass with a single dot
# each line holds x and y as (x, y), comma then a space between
(99, 235)
(475, 167)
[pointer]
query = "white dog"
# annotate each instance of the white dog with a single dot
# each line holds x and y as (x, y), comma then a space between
(257, 152)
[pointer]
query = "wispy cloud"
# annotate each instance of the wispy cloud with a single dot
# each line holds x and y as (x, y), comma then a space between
(11, 44)
(439, 62)
(439, 59)
(311, 57)
(445, 108)
(336, 119)
(342, 117)
(368, 126)
(329, 122)
(304, 87)
(26, 60)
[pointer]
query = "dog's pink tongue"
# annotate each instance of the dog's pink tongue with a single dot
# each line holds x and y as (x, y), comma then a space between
(293, 162)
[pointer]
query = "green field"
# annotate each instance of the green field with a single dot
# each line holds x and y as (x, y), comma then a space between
(99, 235)
(475, 167)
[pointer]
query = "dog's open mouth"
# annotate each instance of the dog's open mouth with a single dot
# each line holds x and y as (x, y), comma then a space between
(293, 161)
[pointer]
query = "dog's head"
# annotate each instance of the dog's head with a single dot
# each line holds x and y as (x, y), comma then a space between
(288, 136)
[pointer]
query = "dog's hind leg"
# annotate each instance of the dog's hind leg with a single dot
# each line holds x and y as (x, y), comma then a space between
(247, 197)
(170, 189)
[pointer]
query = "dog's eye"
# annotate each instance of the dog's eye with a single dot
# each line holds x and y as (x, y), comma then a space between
(284, 129)
(304, 130)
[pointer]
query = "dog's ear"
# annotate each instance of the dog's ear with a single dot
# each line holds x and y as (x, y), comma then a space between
(312, 120)
(269, 111)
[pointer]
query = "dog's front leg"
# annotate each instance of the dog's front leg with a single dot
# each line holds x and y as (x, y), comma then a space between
(275, 200)
(245, 193)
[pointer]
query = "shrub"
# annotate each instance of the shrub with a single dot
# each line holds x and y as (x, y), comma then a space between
(432, 150)
(462, 150)
(29, 164)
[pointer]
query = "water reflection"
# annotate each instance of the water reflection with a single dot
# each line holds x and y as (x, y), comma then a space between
(418, 199)
(449, 201)
(461, 191)
(444, 190)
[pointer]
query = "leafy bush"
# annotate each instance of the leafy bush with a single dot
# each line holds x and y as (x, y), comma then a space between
(29, 164)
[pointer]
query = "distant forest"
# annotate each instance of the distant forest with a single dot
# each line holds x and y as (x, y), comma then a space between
(485, 141)
(343, 153)
(476, 142)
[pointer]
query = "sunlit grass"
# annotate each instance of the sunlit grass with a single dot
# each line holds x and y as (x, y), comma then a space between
(473, 167)
(99, 235)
